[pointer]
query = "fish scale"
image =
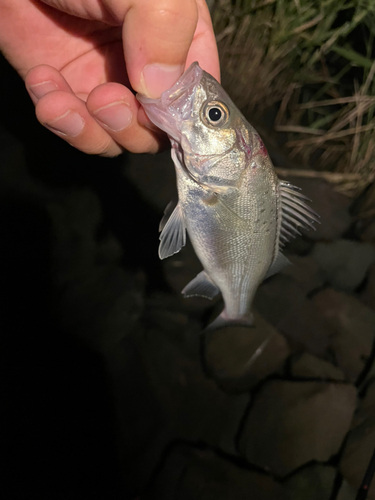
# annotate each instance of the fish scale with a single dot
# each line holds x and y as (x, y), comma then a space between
(236, 211)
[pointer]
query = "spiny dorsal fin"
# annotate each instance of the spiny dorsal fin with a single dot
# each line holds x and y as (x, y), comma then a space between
(173, 235)
(201, 286)
(295, 212)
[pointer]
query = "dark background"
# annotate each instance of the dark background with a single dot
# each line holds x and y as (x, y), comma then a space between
(60, 429)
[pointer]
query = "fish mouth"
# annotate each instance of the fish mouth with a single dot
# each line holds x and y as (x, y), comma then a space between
(175, 104)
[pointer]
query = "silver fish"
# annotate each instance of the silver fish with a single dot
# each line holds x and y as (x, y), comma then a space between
(238, 214)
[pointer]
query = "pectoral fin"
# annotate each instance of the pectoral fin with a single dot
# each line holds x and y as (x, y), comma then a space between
(173, 235)
(201, 286)
(167, 213)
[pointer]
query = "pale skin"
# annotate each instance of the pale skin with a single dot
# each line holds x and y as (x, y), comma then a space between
(81, 59)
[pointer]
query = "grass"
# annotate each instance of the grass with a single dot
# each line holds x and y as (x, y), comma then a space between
(309, 65)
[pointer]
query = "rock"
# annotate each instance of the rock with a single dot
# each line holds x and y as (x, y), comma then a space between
(292, 423)
(347, 492)
(310, 366)
(317, 482)
(179, 270)
(138, 414)
(163, 311)
(363, 210)
(312, 483)
(102, 302)
(368, 233)
(368, 294)
(354, 326)
(99, 299)
(333, 208)
(305, 272)
(76, 219)
(300, 246)
(194, 408)
(192, 474)
(159, 303)
(282, 302)
(344, 263)
(360, 446)
(102, 308)
(366, 407)
(239, 357)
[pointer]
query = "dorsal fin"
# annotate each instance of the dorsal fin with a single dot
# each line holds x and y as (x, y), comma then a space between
(295, 212)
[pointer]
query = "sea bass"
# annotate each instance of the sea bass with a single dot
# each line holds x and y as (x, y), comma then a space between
(238, 214)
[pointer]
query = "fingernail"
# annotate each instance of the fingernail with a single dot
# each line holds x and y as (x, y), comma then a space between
(156, 78)
(70, 123)
(116, 116)
(41, 89)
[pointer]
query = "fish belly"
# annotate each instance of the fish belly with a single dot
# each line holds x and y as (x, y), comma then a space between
(235, 252)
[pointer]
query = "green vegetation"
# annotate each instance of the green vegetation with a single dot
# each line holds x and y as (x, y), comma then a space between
(310, 65)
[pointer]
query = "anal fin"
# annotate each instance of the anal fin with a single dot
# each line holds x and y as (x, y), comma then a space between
(201, 286)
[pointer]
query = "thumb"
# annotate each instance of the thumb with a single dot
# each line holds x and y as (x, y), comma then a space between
(157, 36)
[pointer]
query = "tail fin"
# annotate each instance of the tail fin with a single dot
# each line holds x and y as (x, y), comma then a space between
(224, 320)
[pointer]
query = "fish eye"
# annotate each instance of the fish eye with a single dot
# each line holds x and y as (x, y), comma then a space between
(215, 114)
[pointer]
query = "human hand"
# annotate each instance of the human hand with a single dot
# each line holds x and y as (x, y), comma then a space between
(71, 55)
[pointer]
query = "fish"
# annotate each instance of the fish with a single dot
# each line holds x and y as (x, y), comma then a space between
(237, 212)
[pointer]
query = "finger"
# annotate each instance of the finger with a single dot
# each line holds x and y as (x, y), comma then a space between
(157, 36)
(62, 112)
(100, 133)
(43, 79)
(115, 108)
(203, 47)
(67, 116)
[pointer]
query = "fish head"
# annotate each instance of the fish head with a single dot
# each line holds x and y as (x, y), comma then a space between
(199, 115)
